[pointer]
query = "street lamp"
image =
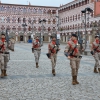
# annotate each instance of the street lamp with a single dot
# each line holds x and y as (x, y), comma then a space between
(57, 37)
(24, 25)
(85, 18)
(41, 34)
(32, 29)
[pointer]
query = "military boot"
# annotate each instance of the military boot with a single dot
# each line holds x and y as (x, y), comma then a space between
(53, 72)
(37, 65)
(5, 74)
(76, 80)
(95, 70)
(99, 70)
(2, 73)
(73, 80)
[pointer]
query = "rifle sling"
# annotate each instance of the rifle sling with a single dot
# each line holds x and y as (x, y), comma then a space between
(74, 49)
(96, 48)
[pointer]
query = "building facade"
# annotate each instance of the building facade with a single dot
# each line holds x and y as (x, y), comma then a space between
(71, 20)
(22, 21)
(66, 19)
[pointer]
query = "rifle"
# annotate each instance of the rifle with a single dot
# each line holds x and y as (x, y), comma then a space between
(57, 43)
(7, 40)
(80, 41)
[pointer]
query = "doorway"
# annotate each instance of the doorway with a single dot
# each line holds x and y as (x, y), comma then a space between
(21, 38)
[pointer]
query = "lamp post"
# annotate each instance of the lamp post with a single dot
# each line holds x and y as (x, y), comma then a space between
(57, 34)
(32, 36)
(86, 12)
(24, 25)
(41, 34)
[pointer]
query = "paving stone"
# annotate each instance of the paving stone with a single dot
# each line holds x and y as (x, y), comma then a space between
(26, 82)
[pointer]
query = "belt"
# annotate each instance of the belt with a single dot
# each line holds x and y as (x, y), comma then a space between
(77, 56)
(6, 52)
(97, 51)
(37, 49)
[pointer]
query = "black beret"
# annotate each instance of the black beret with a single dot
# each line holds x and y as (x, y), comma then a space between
(3, 34)
(96, 36)
(74, 35)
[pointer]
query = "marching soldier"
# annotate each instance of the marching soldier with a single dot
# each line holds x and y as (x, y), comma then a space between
(95, 51)
(3, 55)
(52, 50)
(37, 50)
(72, 51)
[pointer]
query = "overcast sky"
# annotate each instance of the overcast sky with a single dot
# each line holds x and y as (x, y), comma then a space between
(38, 2)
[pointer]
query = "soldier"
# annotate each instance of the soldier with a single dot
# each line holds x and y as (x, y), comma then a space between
(72, 51)
(52, 50)
(12, 43)
(95, 51)
(4, 55)
(37, 50)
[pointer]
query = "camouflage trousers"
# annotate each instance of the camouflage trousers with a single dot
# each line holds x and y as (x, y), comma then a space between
(97, 60)
(37, 55)
(3, 61)
(53, 60)
(74, 63)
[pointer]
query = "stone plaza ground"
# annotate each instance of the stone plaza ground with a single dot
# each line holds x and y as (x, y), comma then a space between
(26, 82)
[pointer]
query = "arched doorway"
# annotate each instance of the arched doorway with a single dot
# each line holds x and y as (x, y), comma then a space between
(21, 38)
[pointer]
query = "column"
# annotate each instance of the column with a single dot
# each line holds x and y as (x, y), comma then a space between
(90, 39)
(63, 38)
(66, 38)
(16, 38)
(49, 39)
(25, 39)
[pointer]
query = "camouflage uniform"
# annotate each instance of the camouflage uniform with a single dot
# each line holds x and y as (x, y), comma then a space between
(4, 57)
(52, 48)
(96, 49)
(74, 59)
(37, 51)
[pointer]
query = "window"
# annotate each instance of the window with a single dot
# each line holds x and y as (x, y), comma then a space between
(44, 11)
(8, 19)
(7, 8)
(39, 29)
(24, 20)
(14, 28)
(49, 29)
(8, 27)
(49, 21)
(53, 29)
(53, 11)
(13, 20)
(29, 28)
(2, 28)
(29, 20)
(2, 8)
(19, 20)
(2, 19)
(34, 11)
(54, 21)
(24, 10)
(39, 11)
(13, 9)
(19, 28)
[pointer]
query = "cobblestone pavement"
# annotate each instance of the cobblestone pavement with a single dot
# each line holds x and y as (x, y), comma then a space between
(25, 82)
